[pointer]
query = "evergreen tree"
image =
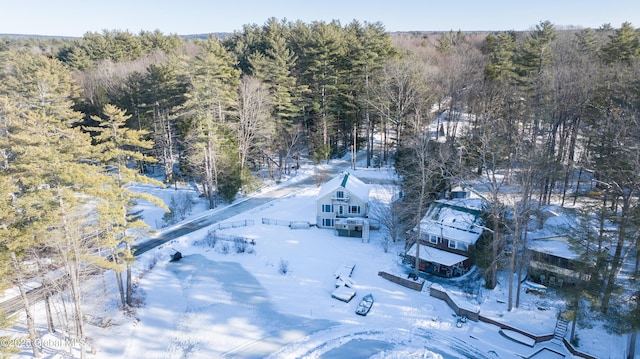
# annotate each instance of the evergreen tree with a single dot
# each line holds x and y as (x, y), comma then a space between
(275, 69)
(7, 218)
(501, 51)
(207, 113)
(623, 46)
(44, 160)
(163, 91)
(116, 46)
(54, 183)
(535, 53)
(118, 145)
(368, 47)
(322, 50)
(588, 42)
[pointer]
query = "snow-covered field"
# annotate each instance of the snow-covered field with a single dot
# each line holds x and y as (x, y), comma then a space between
(274, 300)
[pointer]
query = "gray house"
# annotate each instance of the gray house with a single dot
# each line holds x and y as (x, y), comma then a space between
(343, 204)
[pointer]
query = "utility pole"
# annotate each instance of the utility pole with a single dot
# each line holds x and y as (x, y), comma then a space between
(354, 151)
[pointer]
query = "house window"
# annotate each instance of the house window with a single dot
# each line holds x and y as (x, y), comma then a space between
(458, 245)
(434, 239)
(340, 210)
(339, 194)
(327, 208)
(327, 222)
(354, 209)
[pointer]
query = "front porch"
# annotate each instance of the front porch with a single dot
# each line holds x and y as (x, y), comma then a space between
(438, 262)
(553, 276)
(352, 227)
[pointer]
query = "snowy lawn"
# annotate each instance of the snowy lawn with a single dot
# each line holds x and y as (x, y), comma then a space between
(216, 304)
(274, 300)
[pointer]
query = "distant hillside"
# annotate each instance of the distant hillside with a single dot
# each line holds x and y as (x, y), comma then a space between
(24, 36)
(220, 35)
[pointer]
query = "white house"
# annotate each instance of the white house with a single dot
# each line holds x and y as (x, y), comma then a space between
(448, 232)
(343, 204)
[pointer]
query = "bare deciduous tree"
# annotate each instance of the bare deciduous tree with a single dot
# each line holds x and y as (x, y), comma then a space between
(255, 127)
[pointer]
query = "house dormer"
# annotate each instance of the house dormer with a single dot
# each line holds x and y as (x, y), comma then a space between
(340, 196)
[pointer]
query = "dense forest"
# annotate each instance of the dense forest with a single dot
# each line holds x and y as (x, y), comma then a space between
(548, 111)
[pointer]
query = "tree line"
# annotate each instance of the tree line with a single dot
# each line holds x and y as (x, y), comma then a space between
(82, 119)
(549, 111)
(536, 118)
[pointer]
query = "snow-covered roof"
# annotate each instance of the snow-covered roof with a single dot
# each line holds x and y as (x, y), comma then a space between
(343, 293)
(457, 219)
(435, 255)
(557, 246)
(349, 182)
(464, 192)
(472, 203)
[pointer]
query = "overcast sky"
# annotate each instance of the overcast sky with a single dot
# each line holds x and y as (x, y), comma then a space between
(76, 17)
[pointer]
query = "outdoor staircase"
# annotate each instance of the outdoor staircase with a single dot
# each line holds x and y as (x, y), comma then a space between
(560, 331)
(365, 231)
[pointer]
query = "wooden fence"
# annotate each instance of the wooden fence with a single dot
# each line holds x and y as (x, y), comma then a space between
(411, 284)
(439, 292)
(474, 314)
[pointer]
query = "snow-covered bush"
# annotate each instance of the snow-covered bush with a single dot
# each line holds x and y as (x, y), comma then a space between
(222, 248)
(284, 267)
(210, 240)
(239, 245)
(180, 207)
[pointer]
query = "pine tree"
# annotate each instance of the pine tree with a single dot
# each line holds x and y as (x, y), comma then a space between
(44, 160)
(207, 111)
(322, 49)
(117, 145)
(535, 53)
(587, 41)
(369, 47)
(623, 46)
(275, 69)
(163, 91)
(501, 51)
(7, 219)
